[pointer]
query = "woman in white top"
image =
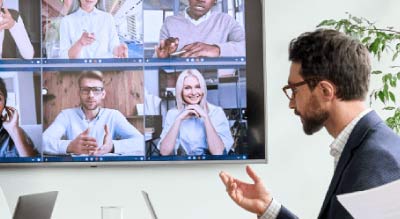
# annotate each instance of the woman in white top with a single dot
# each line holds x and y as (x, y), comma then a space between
(195, 126)
(90, 33)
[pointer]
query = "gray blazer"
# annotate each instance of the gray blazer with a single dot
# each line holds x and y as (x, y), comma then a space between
(370, 158)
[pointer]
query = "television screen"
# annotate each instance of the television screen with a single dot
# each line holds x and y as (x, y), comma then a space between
(133, 82)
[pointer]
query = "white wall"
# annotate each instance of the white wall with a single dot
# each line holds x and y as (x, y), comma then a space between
(299, 168)
(27, 102)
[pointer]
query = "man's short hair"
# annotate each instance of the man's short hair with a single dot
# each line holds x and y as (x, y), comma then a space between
(327, 54)
(3, 90)
(90, 74)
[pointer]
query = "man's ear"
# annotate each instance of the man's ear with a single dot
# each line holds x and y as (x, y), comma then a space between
(328, 89)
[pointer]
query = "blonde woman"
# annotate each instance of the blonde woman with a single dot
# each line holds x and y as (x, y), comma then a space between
(195, 127)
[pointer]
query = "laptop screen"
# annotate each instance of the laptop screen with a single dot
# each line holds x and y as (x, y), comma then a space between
(28, 205)
(149, 205)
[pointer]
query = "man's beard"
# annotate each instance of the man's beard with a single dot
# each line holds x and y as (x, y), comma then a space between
(89, 106)
(315, 119)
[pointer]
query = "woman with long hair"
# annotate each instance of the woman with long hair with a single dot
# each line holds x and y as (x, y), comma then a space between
(195, 127)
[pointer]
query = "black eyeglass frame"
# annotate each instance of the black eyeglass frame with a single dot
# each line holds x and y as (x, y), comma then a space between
(95, 90)
(294, 87)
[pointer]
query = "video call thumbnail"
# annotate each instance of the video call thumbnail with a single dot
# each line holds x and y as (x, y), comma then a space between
(20, 107)
(93, 113)
(197, 101)
(102, 29)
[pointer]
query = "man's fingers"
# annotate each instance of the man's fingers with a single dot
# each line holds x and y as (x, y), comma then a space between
(88, 139)
(88, 142)
(228, 181)
(252, 174)
(189, 46)
(224, 177)
(193, 51)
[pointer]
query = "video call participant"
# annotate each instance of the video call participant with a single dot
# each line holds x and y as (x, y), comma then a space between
(195, 126)
(201, 32)
(91, 129)
(328, 83)
(14, 142)
(13, 35)
(90, 33)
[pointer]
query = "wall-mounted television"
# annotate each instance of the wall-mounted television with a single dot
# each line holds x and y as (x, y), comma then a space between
(133, 82)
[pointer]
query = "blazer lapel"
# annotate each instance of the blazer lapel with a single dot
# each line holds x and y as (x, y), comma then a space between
(355, 139)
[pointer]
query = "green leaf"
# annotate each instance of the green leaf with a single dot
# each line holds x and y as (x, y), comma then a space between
(393, 82)
(385, 88)
(365, 40)
(381, 96)
(330, 22)
(398, 75)
(396, 54)
(377, 72)
(392, 97)
(375, 46)
(380, 34)
(357, 20)
(389, 108)
(386, 78)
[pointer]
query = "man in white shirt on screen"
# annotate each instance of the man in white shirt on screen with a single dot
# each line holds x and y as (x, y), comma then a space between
(91, 129)
(13, 35)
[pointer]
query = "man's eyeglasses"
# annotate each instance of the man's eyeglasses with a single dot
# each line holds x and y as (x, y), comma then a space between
(86, 90)
(291, 89)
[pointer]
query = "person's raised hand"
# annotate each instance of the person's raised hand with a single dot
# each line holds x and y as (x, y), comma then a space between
(86, 38)
(10, 120)
(6, 21)
(253, 197)
(166, 47)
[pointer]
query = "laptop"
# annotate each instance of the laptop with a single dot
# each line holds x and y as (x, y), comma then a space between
(35, 206)
(149, 205)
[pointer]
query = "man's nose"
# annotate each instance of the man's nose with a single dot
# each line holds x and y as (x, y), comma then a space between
(292, 103)
(91, 93)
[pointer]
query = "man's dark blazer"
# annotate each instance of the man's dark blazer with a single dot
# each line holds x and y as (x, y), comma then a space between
(370, 158)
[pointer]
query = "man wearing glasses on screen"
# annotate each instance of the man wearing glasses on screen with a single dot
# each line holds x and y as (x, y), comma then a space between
(91, 129)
